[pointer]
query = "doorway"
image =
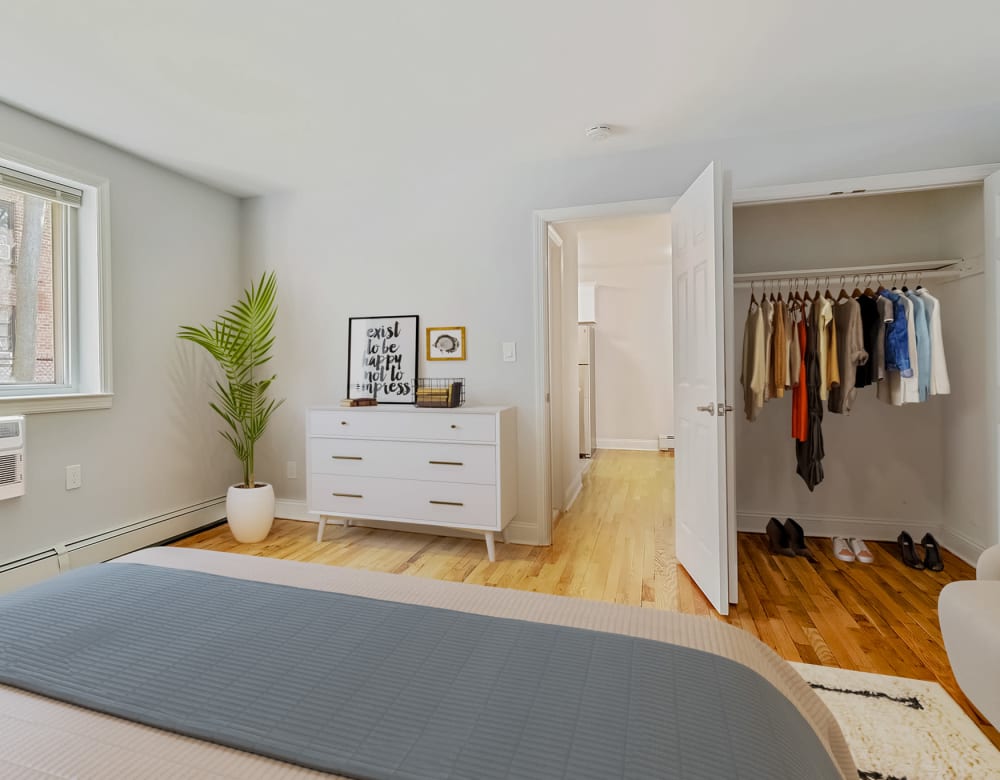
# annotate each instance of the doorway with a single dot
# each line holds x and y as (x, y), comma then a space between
(610, 341)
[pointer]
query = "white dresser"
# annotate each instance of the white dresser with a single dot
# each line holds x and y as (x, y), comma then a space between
(433, 467)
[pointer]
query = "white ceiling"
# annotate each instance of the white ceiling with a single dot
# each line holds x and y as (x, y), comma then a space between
(257, 95)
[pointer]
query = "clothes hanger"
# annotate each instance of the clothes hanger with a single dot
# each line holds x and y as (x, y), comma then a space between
(868, 288)
(771, 296)
(827, 294)
(805, 296)
(904, 280)
(857, 287)
(753, 298)
(842, 295)
(920, 275)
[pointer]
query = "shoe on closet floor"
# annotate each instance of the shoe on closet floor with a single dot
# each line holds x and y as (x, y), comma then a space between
(777, 539)
(908, 552)
(842, 549)
(797, 539)
(861, 551)
(932, 553)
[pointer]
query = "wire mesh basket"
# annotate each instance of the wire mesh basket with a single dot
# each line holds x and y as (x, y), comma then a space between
(441, 393)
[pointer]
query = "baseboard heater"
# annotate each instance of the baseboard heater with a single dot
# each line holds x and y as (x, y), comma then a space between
(108, 544)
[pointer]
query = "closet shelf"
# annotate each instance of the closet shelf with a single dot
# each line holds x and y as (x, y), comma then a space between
(928, 269)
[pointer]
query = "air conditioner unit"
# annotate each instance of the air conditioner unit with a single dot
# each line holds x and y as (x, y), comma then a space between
(11, 457)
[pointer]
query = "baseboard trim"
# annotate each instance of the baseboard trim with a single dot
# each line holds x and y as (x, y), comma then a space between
(651, 445)
(961, 545)
(871, 528)
(573, 492)
(110, 543)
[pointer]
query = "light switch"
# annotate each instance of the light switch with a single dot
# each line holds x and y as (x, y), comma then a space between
(509, 351)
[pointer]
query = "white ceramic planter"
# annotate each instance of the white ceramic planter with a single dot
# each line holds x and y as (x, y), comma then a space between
(250, 512)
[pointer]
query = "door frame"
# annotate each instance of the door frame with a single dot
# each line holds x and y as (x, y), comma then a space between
(543, 382)
(816, 190)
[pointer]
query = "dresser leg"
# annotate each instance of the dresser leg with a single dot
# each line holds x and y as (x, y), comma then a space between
(490, 547)
(322, 528)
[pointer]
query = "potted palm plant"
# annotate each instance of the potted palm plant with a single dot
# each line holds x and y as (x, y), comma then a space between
(240, 340)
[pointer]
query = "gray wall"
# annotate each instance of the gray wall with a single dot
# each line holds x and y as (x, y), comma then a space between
(175, 259)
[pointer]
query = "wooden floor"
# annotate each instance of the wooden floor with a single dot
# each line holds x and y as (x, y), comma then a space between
(617, 544)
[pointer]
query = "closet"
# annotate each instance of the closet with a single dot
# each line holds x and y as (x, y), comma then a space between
(920, 467)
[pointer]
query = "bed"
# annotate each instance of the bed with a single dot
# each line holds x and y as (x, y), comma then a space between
(47, 736)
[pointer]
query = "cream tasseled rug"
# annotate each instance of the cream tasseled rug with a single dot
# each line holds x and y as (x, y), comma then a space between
(902, 729)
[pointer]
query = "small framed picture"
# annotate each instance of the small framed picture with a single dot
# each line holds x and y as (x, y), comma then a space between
(446, 343)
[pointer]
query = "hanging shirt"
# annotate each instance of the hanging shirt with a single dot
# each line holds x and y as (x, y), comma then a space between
(885, 314)
(796, 344)
(826, 346)
(923, 340)
(940, 383)
(851, 351)
(897, 346)
(754, 374)
(800, 393)
(779, 351)
(767, 307)
(809, 452)
(866, 373)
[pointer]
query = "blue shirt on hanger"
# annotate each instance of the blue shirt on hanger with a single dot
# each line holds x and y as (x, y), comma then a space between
(897, 335)
(923, 344)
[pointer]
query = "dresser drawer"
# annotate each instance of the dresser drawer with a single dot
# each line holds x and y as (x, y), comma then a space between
(435, 503)
(414, 424)
(436, 462)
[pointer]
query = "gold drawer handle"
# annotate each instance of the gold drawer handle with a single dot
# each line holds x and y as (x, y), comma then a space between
(348, 495)
(347, 457)
(445, 463)
(447, 503)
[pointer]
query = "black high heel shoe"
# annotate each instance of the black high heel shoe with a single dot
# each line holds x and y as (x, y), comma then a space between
(907, 551)
(797, 539)
(777, 539)
(932, 553)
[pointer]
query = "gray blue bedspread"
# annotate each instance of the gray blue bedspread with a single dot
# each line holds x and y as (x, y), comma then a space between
(377, 689)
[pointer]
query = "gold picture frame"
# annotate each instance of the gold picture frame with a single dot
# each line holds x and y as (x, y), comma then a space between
(446, 343)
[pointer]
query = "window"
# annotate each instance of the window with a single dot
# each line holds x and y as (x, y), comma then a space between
(54, 350)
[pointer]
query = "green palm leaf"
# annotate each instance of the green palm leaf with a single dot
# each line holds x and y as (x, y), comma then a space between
(240, 341)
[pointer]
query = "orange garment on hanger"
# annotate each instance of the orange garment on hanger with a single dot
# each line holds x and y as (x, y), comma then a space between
(800, 401)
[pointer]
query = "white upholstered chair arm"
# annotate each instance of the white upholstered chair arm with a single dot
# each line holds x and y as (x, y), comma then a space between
(988, 566)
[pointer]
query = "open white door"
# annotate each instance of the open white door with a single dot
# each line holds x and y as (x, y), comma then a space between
(701, 275)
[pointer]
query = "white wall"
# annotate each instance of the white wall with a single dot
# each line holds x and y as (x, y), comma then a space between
(629, 261)
(454, 243)
(887, 468)
(175, 259)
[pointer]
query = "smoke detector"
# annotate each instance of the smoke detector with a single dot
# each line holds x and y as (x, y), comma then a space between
(599, 132)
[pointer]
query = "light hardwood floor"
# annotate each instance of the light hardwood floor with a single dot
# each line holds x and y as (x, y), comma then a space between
(617, 544)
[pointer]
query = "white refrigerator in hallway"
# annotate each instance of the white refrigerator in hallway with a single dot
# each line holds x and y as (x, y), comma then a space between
(588, 409)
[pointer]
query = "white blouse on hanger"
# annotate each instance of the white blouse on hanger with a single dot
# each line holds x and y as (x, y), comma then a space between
(940, 383)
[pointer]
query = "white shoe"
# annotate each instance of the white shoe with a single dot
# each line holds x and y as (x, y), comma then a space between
(861, 551)
(842, 549)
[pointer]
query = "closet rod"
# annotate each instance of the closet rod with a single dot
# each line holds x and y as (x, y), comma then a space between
(931, 269)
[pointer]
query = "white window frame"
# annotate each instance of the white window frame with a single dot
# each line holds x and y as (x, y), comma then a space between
(86, 299)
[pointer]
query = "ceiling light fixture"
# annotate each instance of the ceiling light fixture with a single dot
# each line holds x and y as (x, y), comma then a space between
(599, 132)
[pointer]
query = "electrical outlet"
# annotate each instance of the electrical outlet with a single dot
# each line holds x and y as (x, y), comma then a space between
(74, 477)
(292, 469)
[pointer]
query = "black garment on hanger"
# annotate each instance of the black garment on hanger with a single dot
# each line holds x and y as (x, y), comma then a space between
(809, 453)
(866, 374)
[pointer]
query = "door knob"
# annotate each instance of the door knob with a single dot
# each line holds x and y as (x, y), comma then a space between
(710, 408)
